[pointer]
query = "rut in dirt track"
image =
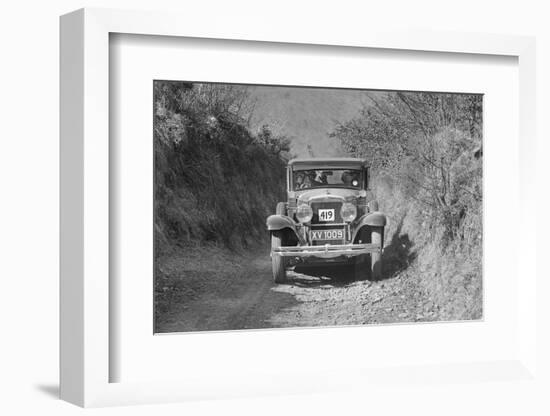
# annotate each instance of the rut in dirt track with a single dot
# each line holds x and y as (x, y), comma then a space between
(238, 293)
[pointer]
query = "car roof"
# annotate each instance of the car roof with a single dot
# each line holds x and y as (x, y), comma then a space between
(332, 162)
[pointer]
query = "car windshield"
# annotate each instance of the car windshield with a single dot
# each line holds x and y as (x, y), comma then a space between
(326, 178)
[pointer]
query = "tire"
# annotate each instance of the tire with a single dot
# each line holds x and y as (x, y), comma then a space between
(369, 266)
(278, 263)
(376, 237)
(362, 262)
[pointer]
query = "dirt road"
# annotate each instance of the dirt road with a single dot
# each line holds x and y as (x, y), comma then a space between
(209, 290)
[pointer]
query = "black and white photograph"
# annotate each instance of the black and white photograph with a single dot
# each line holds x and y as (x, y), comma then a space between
(292, 206)
(254, 208)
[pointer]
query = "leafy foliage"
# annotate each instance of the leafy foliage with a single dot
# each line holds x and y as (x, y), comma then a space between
(215, 181)
(432, 144)
(426, 155)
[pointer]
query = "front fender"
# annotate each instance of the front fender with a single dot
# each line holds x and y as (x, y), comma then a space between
(280, 222)
(373, 219)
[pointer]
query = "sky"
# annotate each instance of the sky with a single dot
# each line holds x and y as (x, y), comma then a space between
(306, 115)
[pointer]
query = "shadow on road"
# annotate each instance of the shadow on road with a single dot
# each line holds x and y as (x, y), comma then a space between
(398, 254)
(323, 276)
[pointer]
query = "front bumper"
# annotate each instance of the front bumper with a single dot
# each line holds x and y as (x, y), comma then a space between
(326, 251)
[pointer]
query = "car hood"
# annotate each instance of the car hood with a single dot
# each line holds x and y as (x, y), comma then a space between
(324, 194)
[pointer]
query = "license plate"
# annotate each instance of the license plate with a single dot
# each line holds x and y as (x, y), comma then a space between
(327, 235)
(326, 215)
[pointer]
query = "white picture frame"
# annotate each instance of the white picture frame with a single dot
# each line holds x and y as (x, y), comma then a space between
(85, 228)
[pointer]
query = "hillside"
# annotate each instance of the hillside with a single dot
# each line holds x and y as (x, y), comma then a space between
(215, 181)
(426, 157)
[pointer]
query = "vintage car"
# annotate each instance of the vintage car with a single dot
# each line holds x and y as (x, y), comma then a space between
(330, 216)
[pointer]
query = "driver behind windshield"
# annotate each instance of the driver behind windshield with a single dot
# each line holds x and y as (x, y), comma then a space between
(312, 176)
(306, 179)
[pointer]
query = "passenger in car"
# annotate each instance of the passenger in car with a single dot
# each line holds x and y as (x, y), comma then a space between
(347, 178)
(299, 179)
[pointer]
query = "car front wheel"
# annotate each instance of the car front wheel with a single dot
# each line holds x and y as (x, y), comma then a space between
(377, 237)
(370, 265)
(278, 263)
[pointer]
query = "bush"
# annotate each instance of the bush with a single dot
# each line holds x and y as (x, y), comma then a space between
(426, 156)
(215, 181)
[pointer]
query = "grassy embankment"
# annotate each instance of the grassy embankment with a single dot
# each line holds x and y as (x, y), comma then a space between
(426, 153)
(450, 272)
